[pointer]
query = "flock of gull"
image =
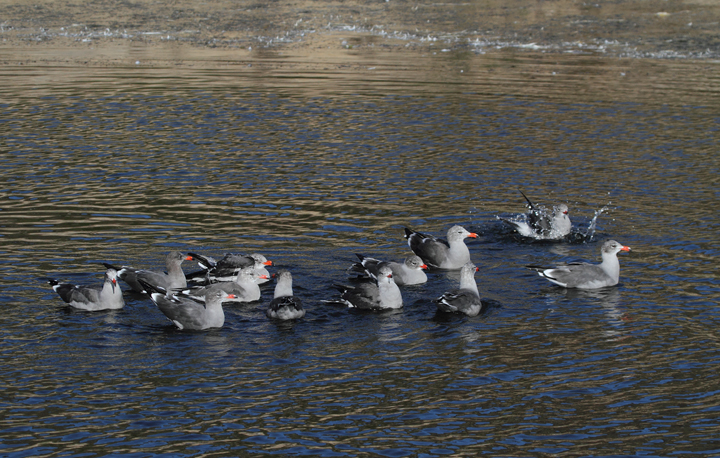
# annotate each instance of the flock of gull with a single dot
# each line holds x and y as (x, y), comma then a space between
(237, 278)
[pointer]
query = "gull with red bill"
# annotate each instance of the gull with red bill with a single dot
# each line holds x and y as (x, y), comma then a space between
(465, 299)
(583, 275)
(92, 298)
(451, 254)
(227, 268)
(409, 272)
(370, 295)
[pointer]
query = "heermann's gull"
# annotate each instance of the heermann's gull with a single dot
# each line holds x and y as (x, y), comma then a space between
(541, 224)
(465, 299)
(452, 254)
(587, 276)
(173, 279)
(284, 305)
(381, 295)
(188, 313)
(244, 288)
(92, 298)
(410, 272)
(227, 268)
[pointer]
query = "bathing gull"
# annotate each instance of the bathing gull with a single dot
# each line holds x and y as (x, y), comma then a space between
(541, 224)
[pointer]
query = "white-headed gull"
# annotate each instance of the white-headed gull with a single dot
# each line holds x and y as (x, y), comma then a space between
(409, 272)
(465, 299)
(370, 295)
(173, 279)
(542, 224)
(227, 268)
(189, 313)
(587, 276)
(284, 305)
(92, 298)
(451, 254)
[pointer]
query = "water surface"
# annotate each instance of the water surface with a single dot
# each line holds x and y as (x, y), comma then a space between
(124, 164)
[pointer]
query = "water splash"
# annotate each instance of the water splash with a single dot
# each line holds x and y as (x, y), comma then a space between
(577, 235)
(520, 229)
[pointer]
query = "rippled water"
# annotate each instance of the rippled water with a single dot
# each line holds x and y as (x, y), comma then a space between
(124, 164)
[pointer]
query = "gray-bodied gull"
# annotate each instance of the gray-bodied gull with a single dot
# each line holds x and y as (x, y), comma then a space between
(451, 254)
(92, 298)
(409, 272)
(542, 224)
(173, 279)
(227, 268)
(465, 299)
(284, 305)
(370, 295)
(587, 276)
(186, 312)
(244, 288)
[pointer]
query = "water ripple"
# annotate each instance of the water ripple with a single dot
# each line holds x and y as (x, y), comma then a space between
(123, 170)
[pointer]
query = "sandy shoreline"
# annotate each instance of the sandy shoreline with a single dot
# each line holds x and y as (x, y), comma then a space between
(110, 32)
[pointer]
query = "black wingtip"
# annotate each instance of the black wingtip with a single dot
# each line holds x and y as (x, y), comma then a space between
(149, 289)
(408, 232)
(110, 266)
(530, 204)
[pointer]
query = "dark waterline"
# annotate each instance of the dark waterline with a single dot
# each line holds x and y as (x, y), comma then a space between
(123, 166)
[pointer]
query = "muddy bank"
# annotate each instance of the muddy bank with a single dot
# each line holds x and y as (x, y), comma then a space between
(89, 31)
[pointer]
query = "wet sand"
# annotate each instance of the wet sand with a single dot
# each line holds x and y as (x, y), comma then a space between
(183, 31)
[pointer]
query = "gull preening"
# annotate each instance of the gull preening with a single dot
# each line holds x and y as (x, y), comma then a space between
(92, 298)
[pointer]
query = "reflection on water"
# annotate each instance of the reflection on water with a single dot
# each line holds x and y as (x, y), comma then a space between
(123, 169)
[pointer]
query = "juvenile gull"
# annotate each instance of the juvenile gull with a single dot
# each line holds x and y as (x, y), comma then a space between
(410, 272)
(451, 254)
(284, 305)
(465, 299)
(92, 298)
(587, 276)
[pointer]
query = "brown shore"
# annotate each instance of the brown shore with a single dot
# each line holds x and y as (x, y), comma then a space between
(116, 32)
